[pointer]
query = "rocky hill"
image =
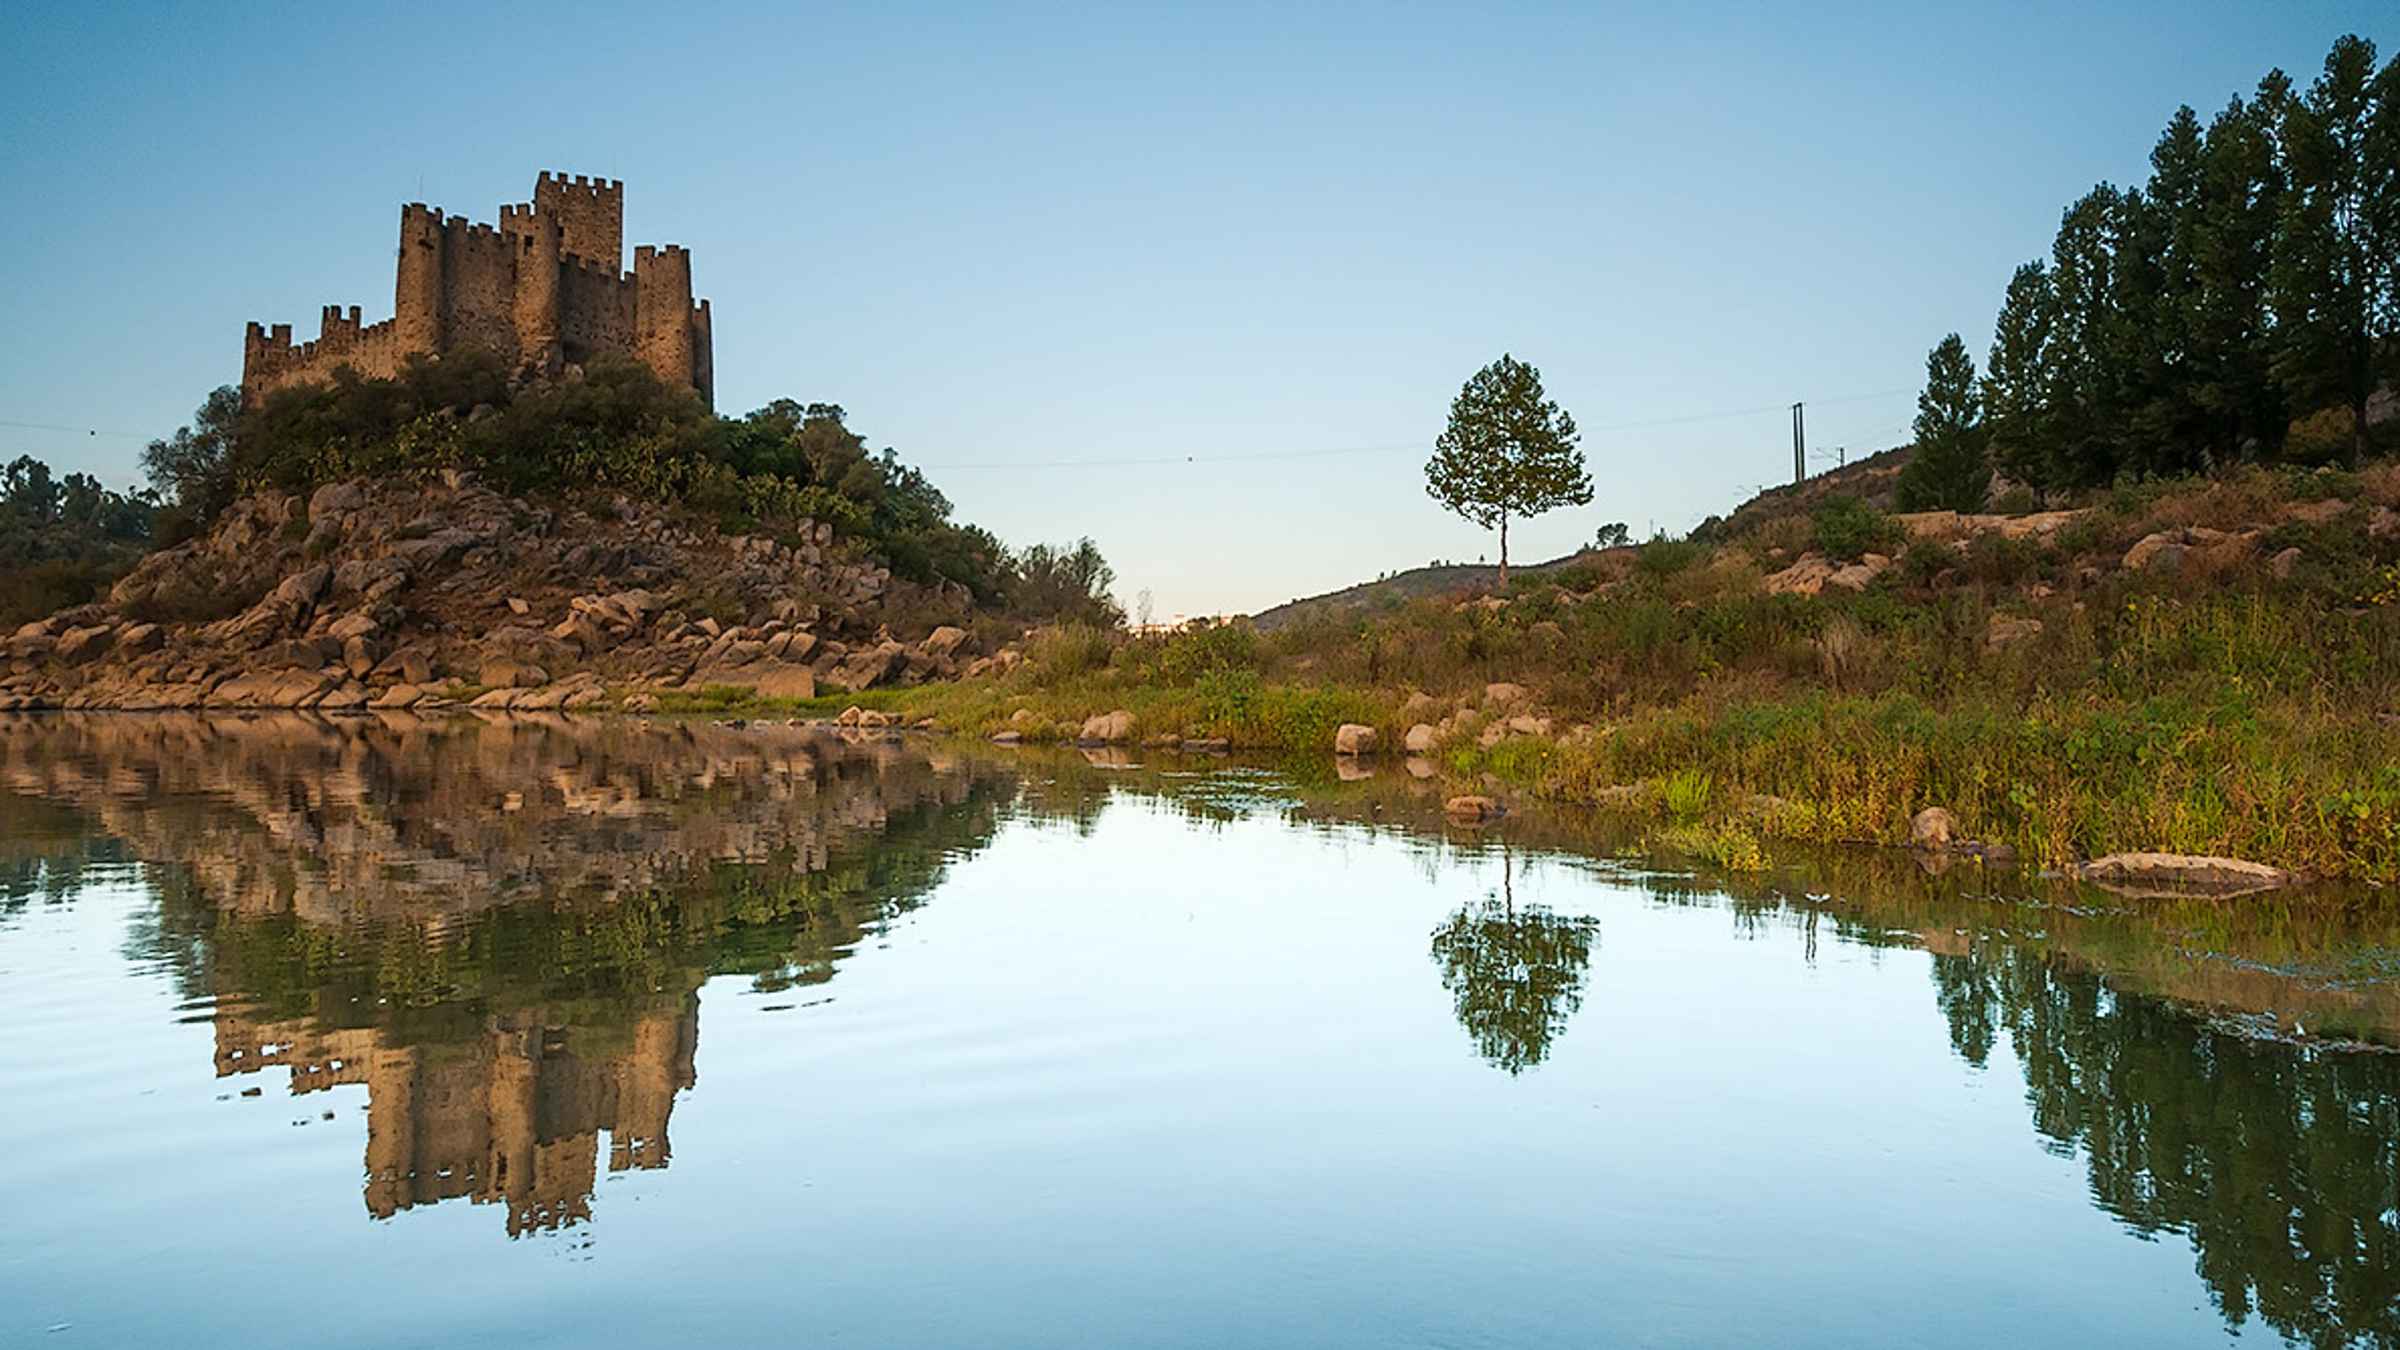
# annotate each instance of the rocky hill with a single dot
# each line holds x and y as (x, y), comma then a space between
(395, 594)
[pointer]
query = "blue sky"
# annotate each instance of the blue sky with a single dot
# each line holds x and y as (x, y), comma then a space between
(1014, 242)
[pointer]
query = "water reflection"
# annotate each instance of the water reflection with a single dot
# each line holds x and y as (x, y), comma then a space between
(2280, 1164)
(1515, 974)
(500, 931)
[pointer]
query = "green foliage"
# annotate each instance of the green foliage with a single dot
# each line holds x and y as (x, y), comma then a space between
(2176, 326)
(1664, 557)
(1846, 528)
(63, 540)
(1054, 655)
(1949, 469)
(1508, 452)
(618, 429)
(1071, 583)
(1687, 793)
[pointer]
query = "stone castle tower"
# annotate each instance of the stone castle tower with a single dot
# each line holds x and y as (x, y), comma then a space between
(543, 290)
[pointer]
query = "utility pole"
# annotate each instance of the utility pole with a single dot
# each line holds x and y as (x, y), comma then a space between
(1799, 445)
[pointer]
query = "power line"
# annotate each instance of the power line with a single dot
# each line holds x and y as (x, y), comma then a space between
(88, 431)
(1407, 447)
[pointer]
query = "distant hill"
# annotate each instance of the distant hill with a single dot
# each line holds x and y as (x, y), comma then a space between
(1871, 479)
(1412, 584)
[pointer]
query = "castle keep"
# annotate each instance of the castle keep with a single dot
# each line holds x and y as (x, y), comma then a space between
(542, 290)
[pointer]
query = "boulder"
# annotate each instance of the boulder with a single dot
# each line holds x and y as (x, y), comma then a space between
(943, 641)
(300, 591)
(766, 678)
(1354, 738)
(2283, 564)
(867, 667)
(335, 500)
(510, 674)
(79, 646)
(2179, 873)
(1421, 739)
(285, 688)
(141, 637)
(2163, 550)
(1472, 809)
(1933, 829)
(1861, 574)
(398, 696)
(1805, 577)
(519, 607)
(1501, 694)
(1109, 728)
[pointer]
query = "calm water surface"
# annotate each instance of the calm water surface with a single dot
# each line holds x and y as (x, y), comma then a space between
(551, 1033)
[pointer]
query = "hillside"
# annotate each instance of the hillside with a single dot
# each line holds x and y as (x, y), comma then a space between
(1870, 479)
(396, 593)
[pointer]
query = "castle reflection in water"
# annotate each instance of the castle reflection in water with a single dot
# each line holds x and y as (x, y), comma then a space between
(498, 928)
(512, 1117)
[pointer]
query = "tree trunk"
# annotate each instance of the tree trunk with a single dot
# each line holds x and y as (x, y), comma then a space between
(1504, 550)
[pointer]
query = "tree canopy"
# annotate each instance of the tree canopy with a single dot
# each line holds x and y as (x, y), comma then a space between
(1508, 452)
(1950, 470)
(2234, 307)
(618, 428)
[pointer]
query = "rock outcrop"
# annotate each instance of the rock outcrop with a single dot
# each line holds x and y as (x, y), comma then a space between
(394, 594)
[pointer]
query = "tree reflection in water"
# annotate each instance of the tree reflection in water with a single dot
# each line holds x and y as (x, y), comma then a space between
(1515, 974)
(2281, 1163)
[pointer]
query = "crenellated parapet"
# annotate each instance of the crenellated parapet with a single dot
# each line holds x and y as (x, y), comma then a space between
(545, 289)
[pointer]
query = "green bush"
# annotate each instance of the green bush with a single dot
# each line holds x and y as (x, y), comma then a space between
(1663, 557)
(1849, 529)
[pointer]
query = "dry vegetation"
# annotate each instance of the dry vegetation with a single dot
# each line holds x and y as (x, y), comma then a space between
(2222, 696)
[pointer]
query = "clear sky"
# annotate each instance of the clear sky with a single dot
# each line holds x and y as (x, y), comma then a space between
(1014, 242)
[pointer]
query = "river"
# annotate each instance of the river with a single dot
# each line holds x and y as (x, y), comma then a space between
(603, 1032)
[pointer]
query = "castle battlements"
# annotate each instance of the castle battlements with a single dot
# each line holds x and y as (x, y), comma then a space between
(545, 289)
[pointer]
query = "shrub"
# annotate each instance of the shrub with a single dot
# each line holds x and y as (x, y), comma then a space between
(1663, 557)
(1065, 651)
(1687, 793)
(1206, 647)
(2322, 437)
(1848, 529)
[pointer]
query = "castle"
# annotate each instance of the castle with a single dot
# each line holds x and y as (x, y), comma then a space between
(542, 290)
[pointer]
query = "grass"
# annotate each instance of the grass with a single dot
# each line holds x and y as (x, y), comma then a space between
(2223, 709)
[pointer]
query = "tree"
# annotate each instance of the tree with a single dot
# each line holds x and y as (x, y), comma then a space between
(2018, 383)
(1070, 582)
(190, 466)
(2336, 274)
(1949, 470)
(1612, 535)
(1508, 452)
(2240, 406)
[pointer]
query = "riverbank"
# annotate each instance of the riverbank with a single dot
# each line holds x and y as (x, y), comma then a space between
(2210, 667)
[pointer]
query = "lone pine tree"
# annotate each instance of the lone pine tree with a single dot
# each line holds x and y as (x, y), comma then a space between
(1508, 452)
